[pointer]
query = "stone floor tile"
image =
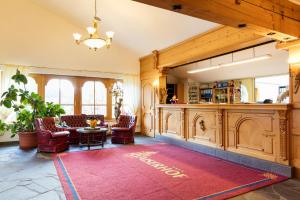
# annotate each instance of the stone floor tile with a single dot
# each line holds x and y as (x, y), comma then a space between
(6, 185)
(51, 195)
(18, 193)
(47, 182)
(37, 188)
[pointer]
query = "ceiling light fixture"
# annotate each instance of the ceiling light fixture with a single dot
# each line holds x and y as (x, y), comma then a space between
(94, 41)
(247, 60)
(230, 64)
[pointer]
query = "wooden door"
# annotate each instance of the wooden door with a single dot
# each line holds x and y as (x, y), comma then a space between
(147, 108)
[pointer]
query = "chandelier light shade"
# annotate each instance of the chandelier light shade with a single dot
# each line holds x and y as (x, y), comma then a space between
(94, 40)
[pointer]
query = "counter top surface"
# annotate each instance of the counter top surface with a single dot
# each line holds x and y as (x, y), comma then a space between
(254, 106)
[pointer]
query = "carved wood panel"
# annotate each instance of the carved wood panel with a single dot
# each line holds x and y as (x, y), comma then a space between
(203, 127)
(147, 108)
(256, 134)
(173, 122)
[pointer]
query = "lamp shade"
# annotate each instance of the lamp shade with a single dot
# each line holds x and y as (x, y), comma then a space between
(91, 30)
(95, 43)
(76, 36)
(110, 34)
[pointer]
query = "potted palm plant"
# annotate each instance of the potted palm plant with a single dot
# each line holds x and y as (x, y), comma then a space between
(28, 106)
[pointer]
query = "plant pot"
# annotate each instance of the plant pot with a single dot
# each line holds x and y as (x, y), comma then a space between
(27, 140)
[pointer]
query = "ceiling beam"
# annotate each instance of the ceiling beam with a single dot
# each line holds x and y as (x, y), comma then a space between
(278, 19)
(215, 42)
(287, 45)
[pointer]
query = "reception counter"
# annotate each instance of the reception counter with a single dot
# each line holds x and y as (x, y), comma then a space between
(257, 130)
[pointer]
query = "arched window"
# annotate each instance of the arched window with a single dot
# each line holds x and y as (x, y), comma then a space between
(94, 96)
(61, 91)
(31, 85)
(118, 86)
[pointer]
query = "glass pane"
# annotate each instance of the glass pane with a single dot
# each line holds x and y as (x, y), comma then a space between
(100, 110)
(100, 93)
(269, 87)
(88, 93)
(66, 92)
(31, 85)
(52, 91)
(69, 109)
(89, 110)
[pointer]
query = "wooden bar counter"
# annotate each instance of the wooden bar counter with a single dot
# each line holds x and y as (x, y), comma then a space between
(257, 130)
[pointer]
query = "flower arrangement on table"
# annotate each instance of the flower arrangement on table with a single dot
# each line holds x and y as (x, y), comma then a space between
(93, 122)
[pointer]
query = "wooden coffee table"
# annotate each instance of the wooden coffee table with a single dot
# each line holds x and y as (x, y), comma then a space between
(90, 133)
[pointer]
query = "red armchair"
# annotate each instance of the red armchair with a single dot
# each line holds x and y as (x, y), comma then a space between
(51, 138)
(123, 131)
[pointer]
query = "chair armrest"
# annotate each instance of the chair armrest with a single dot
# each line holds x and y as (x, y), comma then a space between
(44, 132)
(120, 129)
(60, 134)
(59, 129)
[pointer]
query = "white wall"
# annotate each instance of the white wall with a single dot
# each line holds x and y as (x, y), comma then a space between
(33, 36)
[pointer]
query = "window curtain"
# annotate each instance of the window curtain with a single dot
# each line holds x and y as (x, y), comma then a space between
(6, 73)
(131, 96)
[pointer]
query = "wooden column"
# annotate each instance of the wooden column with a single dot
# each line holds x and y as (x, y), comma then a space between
(41, 84)
(294, 136)
(109, 84)
(78, 83)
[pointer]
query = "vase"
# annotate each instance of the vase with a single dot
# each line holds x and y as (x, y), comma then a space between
(27, 140)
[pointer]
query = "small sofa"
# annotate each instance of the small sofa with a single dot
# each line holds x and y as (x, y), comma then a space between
(51, 138)
(123, 131)
(78, 121)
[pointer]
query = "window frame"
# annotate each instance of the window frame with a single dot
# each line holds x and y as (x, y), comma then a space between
(94, 105)
(60, 92)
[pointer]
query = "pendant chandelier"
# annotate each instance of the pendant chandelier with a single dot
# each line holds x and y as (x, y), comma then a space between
(94, 40)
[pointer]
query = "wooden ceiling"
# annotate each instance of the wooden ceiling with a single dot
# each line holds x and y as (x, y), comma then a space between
(277, 19)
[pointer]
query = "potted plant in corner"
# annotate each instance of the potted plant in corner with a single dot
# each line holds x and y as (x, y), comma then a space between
(28, 106)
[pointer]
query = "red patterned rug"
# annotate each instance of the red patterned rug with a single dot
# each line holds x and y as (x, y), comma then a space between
(155, 172)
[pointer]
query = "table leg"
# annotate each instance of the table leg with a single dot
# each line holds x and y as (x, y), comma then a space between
(103, 139)
(88, 141)
(80, 139)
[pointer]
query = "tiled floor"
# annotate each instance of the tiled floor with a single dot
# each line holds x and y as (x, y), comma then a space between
(28, 175)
